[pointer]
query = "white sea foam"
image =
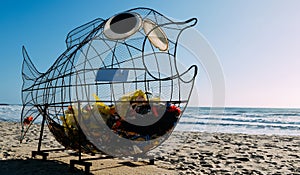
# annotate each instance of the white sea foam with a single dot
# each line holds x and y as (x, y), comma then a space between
(10, 113)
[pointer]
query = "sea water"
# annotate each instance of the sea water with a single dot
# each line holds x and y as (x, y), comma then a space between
(279, 121)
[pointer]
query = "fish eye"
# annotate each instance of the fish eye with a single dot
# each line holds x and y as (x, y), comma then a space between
(156, 35)
(122, 25)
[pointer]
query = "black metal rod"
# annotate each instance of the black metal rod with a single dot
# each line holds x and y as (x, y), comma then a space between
(80, 134)
(43, 112)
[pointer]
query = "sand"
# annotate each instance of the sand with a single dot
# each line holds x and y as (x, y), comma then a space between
(182, 153)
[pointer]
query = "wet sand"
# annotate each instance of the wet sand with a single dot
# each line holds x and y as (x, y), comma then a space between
(182, 153)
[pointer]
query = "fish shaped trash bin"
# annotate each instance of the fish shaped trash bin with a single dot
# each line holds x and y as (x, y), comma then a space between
(119, 87)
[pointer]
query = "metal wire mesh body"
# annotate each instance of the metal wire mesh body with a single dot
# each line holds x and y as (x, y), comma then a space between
(118, 88)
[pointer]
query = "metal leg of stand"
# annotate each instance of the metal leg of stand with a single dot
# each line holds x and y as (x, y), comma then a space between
(39, 152)
(86, 165)
(80, 134)
(41, 134)
(151, 160)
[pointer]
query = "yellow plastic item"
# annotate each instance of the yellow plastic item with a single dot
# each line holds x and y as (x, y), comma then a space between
(124, 102)
(70, 117)
(70, 120)
(103, 108)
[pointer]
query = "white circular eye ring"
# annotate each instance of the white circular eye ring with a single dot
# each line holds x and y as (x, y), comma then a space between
(156, 35)
(119, 36)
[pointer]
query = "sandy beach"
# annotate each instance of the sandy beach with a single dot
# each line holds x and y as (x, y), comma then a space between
(182, 153)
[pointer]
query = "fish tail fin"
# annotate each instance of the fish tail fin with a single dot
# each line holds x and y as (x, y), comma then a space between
(29, 72)
(29, 111)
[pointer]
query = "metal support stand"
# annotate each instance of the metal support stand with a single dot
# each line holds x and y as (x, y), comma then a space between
(151, 160)
(39, 152)
(43, 153)
(86, 165)
(80, 161)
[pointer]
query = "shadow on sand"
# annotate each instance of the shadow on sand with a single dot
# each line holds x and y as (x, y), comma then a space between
(36, 167)
(53, 167)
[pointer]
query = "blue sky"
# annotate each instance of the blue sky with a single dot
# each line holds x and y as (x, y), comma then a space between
(256, 41)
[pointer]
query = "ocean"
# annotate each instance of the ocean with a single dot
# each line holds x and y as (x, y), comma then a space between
(279, 121)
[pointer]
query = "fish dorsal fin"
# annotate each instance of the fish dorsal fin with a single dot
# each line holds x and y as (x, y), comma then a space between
(29, 72)
(79, 34)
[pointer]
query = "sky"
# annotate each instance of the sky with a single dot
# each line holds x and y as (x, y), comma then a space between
(257, 43)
